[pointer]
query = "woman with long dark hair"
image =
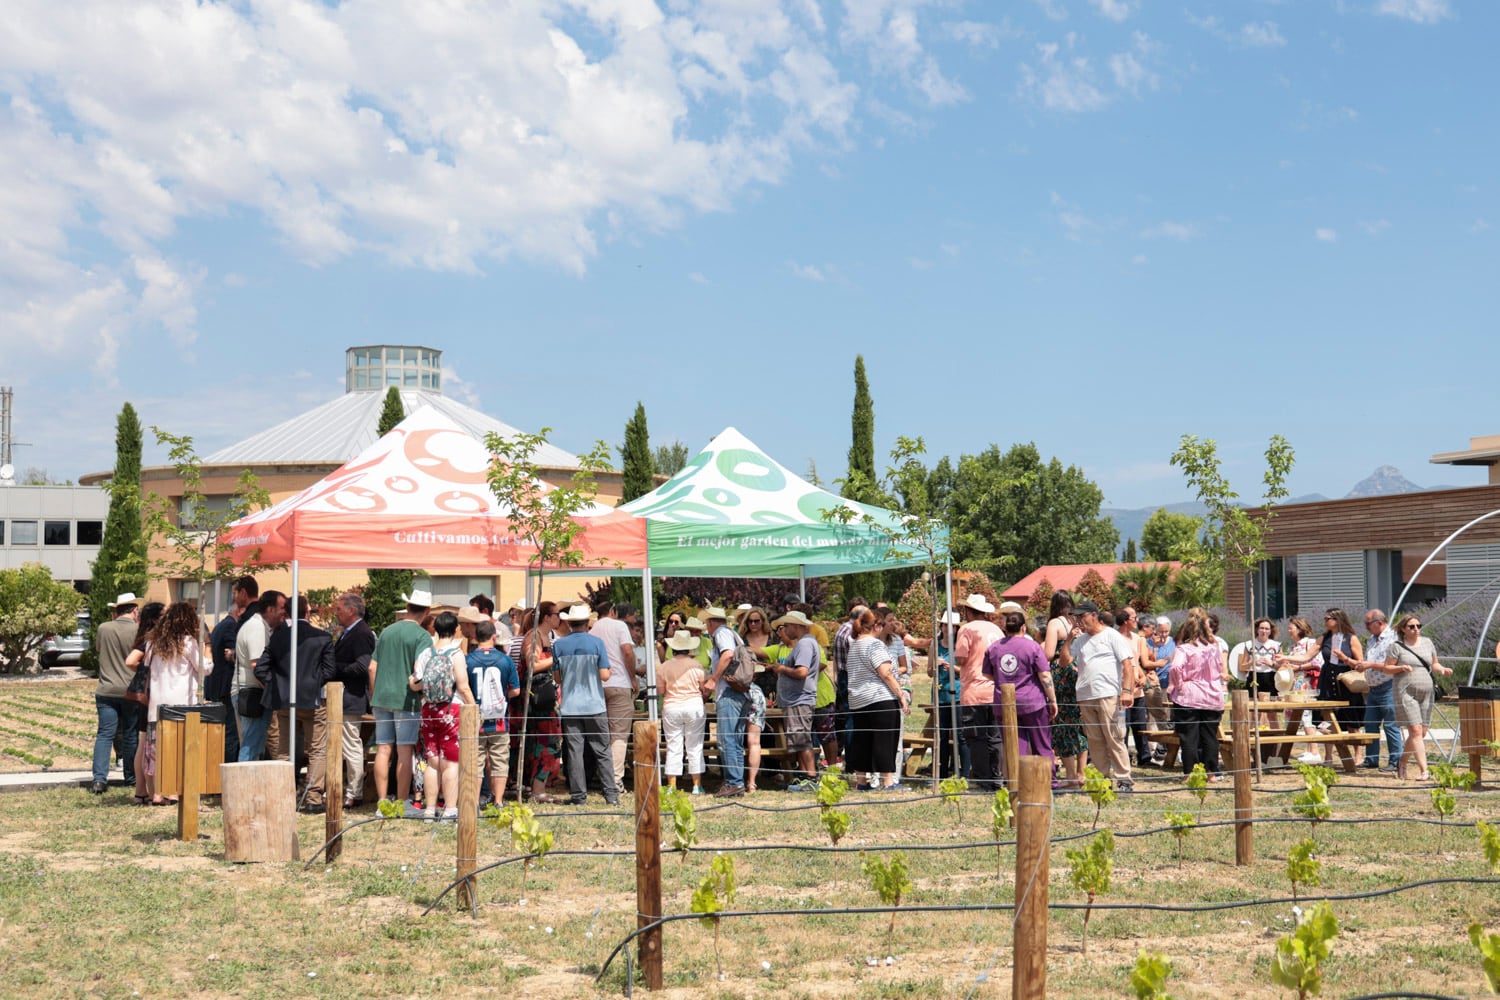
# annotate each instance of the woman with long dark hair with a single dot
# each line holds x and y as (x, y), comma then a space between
(1068, 741)
(174, 653)
(150, 615)
(1340, 646)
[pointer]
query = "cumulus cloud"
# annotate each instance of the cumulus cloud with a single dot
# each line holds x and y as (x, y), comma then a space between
(1065, 80)
(1115, 10)
(809, 272)
(1326, 235)
(1250, 35)
(1418, 11)
(1374, 227)
(449, 137)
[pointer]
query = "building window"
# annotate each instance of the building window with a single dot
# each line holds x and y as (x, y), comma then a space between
(456, 590)
(361, 380)
(57, 532)
(23, 532)
(187, 512)
(90, 533)
(2, 532)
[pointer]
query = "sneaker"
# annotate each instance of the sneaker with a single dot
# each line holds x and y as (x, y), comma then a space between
(1124, 786)
(803, 784)
(697, 790)
(429, 815)
(865, 786)
(1371, 764)
(730, 792)
(451, 813)
(897, 787)
(1310, 758)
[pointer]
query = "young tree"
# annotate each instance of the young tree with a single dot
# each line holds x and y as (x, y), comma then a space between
(384, 588)
(32, 607)
(638, 472)
(121, 563)
(193, 528)
(1237, 537)
(1129, 555)
(668, 459)
(1169, 537)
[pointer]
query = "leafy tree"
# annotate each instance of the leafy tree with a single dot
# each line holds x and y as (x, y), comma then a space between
(668, 459)
(1169, 537)
(1143, 587)
(1013, 511)
(638, 477)
(1237, 538)
(1130, 557)
(1197, 585)
(193, 529)
(121, 563)
(383, 591)
(1091, 587)
(32, 607)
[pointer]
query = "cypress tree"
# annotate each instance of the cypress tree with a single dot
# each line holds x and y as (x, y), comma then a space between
(121, 563)
(383, 591)
(861, 479)
(638, 477)
(860, 484)
(1129, 551)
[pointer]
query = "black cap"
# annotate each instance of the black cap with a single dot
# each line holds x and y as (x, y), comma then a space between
(1085, 608)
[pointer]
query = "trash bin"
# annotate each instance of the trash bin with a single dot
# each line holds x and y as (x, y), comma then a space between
(170, 727)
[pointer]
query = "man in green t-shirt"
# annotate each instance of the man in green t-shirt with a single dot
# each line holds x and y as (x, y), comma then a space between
(396, 706)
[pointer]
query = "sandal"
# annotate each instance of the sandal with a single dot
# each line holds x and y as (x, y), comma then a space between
(142, 800)
(750, 788)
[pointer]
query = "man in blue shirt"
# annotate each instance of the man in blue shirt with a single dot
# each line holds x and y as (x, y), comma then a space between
(582, 665)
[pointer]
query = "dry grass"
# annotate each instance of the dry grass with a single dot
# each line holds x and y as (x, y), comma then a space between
(98, 900)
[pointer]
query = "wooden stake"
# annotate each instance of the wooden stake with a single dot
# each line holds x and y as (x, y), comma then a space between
(648, 850)
(192, 777)
(333, 768)
(1244, 809)
(1010, 740)
(1033, 868)
(470, 771)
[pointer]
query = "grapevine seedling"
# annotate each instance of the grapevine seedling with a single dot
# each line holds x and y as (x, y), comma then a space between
(1100, 790)
(1182, 823)
(1298, 964)
(1150, 975)
(714, 895)
(1489, 843)
(526, 833)
(1000, 817)
(684, 823)
(1197, 783)
(1317, 772)
(836, 823)
(1301, 867)
(1446, 777)
(387, 809)
(1489, 953)
(1443, 804)
(831, 788)
(1313, 803)
(1092, 868)
(952, 790)
(888, 879)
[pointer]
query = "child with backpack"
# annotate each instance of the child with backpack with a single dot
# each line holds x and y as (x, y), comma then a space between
(441, 675)
(493, 679)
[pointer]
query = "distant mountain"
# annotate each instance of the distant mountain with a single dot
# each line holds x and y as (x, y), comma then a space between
(1384, 481)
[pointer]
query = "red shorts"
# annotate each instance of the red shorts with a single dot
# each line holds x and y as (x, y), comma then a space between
(440, 731)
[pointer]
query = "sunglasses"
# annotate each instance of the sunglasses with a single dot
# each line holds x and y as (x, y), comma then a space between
(1413, 624)
(754, 621)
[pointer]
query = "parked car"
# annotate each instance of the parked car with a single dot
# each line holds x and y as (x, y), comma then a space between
(66, 649)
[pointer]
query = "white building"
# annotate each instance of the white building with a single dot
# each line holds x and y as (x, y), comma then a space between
(58, 526)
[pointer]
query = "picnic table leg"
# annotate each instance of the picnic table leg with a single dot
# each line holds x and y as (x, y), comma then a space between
(1171, 760)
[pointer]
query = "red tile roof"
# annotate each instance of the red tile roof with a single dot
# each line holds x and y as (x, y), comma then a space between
(1067, 577)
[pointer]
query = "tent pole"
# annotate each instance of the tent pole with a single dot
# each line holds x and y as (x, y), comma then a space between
(948, 628)
(291, 715)
(648, 616)
(802, 583)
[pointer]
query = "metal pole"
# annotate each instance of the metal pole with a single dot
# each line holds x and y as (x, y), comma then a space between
(291, 715)
(1444, 545)
(802, 583)
(948, 584)
(648, 616)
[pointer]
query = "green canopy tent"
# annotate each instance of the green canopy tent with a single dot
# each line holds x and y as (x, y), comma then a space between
(733, 511)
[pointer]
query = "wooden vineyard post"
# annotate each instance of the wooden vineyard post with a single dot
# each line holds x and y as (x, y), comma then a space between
(648, 850)
(1244, 829)
(1010, 740)
(1033, 868)
(192, 777)
(470, 771)
(333, 768)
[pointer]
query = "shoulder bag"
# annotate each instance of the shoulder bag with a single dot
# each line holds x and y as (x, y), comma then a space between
(1418, 655)
(139, 688)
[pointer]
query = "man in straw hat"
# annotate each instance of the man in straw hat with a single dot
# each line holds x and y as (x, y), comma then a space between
(797, 692)
(731, 705)
(976, 698)
(117, 714)
(582, 664)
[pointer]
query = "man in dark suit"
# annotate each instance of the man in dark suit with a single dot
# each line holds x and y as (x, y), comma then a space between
(314, 662)
(351, 665)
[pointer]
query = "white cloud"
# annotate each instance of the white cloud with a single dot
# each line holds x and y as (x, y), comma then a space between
(1179, 231)
(810, 272)
(1374, 227)
(1250, 35)
(1053, 9)
(1115, 10)
(1418, 11)
(1075, 223)
(1139, 260)
(1479, 226)
(1062, 84)
(448, 137)
(980, 34)
(697, 278)
(919, 263)
(1326, 235)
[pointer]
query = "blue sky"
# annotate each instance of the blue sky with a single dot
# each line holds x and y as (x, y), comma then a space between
(1095, 224)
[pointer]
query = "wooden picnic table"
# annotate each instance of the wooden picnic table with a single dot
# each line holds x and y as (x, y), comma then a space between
(1278, 736)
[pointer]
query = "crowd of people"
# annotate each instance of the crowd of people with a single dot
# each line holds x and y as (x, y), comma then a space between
(558, 686)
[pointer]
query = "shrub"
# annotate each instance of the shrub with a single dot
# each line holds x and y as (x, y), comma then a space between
(1093, 588)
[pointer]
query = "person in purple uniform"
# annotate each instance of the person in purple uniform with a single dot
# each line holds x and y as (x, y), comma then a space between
(1018, 659)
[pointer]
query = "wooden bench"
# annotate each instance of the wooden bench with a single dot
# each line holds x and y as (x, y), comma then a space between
(1269, 738)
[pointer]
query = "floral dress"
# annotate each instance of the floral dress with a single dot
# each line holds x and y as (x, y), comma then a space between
(1067, 728)
(544, 740)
